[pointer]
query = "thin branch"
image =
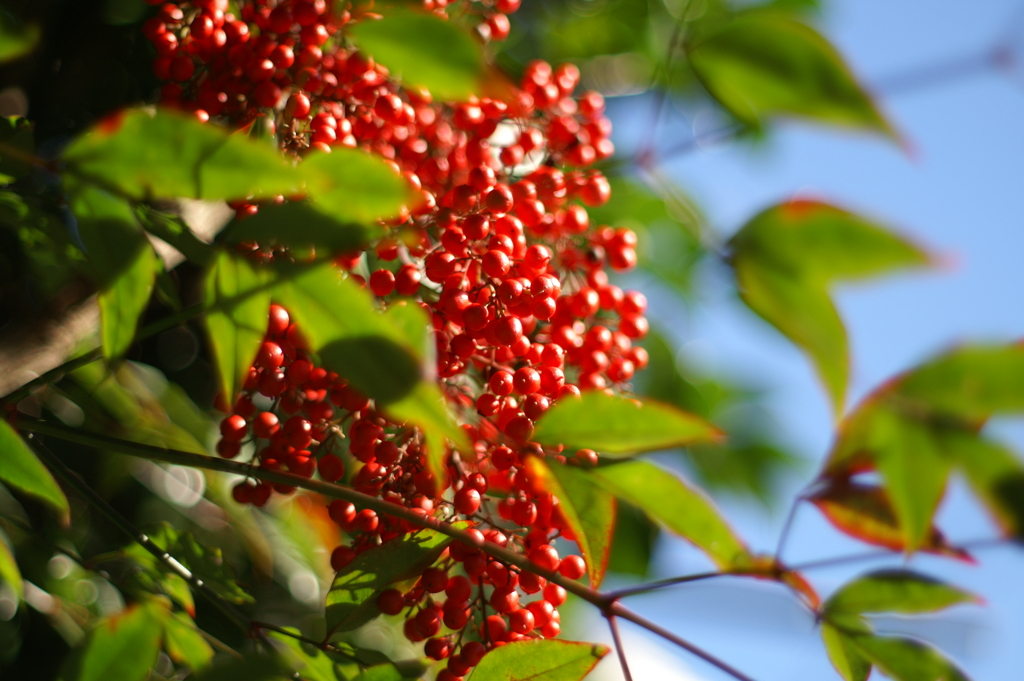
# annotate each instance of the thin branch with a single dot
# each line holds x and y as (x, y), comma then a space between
(79, 485)
(606, 603)
(618, 610)
(620, 650)
(787, 525)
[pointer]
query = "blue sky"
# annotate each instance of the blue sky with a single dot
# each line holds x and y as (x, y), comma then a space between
(961, 194)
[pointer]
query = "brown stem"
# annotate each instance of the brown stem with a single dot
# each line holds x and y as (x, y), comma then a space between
(620, 650)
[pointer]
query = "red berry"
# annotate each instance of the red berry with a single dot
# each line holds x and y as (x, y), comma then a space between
(330, 468)
(382, 282)
(391, 601)
(234, 428)
(467, 501)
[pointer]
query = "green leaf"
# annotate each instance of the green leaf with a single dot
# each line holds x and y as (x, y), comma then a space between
(312, 663)
(539, 660)
(205, 563)
(424, 50)
(17, 143)
(904, 659)
(617, 426)
(994, 474)
(850, 664)
(587, 508)
(786, 257)
(676, 506)
(352, 600)
(16, 40)
(971, 383)
(352, 338)
(764, 64)
(353, 185)
(23, 471)
(123, 261)
(9, 572)
(238, 305)
(122, 647)
(427, 408)
(185, 644)
(251, 668)
(632, 541)
(866, 513)
(380, 672)
(296, 224)
(895, 590)
(172, 155)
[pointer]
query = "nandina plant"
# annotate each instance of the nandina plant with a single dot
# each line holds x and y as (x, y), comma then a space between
(427, 378)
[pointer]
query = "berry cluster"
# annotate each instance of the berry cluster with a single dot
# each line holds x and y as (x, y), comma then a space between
(499, 249)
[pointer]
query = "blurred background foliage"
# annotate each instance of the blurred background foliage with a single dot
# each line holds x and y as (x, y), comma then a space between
(91, 58)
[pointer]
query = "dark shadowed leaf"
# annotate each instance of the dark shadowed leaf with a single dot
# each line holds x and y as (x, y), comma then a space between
(312, 663)
(172, 155)
(995, 474)
(124, 263)
(676, 506)
(764, 64)
(123, 646)
(617, 426)
(427, 408)
(894, 590)
(185, 644)
(424, 50)
(238, 304)
(539, 660)
(354, 186)
(866, 513)
(23, 471)
(380, 672)
(352, 600)
(9, 573)
(845, 657)
(16, 138)
(586, 506)
(632, 542)
(253, 667)
(904, 659)
(786, 257)
(296, 224)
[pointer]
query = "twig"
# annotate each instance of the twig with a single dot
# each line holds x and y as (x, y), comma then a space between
(605, 602)
(620, 650)
(73, 480)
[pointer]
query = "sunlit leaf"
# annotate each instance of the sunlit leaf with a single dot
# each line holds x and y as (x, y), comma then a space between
(895, 590)
(123, 260)
(425, 51)
(9, 572)
(786, 257)
(238, 304)
(123, 646)
(764, 64)
(586, 506)
(185, 644)
(904, 659)
(23, 471)
(850, 664)
(172, 155)
(343, 326)
(616, 426)
(15, 40)
(352, 600)
(539, 660)
(866, 513)
(296, 224)
(676, 506)
(353, 185)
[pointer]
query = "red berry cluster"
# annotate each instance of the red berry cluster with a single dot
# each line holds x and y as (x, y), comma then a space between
(499, 249)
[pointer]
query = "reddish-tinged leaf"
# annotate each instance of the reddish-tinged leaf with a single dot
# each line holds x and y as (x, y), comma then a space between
(586, 506)
(864, 512)
(767, 567)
